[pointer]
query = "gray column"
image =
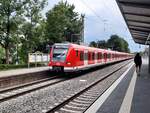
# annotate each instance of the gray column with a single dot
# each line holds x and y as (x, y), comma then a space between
(149, 59)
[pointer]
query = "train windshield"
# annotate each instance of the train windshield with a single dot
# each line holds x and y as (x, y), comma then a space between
(59, 53)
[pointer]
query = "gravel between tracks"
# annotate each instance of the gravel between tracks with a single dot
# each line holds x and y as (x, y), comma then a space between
(41, 100)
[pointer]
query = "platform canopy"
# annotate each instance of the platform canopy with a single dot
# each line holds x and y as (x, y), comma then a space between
(137, 16)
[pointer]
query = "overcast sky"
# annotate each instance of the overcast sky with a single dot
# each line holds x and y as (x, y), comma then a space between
(102, 19)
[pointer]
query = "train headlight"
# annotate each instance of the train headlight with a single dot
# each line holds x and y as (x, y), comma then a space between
(68, 63)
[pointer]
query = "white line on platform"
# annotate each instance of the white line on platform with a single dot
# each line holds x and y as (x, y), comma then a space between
(127, 102)
(98, 103)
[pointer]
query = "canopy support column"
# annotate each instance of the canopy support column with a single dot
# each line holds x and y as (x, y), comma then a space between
(149, 59)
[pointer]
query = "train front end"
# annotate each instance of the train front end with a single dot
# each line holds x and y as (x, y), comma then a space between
(58, 57)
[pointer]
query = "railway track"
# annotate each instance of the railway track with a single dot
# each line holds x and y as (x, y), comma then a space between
(17, 91)
(80, 101)
(12, 92)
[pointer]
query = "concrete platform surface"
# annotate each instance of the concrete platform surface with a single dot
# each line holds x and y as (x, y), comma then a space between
(14, 72)
(131, 95)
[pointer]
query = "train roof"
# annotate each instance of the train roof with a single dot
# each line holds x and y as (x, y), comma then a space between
(88, 48)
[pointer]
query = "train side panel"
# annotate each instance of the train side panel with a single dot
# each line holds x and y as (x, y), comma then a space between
(72, 57)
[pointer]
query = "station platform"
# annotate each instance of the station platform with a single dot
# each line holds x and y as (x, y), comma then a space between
(14, 72)
(129, 94)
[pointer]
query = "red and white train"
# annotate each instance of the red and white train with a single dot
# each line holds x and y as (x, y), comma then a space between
(72, 57)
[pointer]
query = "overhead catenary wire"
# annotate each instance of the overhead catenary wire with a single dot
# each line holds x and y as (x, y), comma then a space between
(93, 20)
(99, 17)
(111, 10)
(126, 28)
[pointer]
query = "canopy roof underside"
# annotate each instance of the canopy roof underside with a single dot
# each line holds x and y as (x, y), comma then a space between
(137, 16)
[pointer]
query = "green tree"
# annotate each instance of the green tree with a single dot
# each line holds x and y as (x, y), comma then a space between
(2, 53)
(99, 44)
(93, 44)
(33, 14)
(115, 43)
(126, 46)
(30, 44)
(31, 28)
(102, 44)
(41, 44)
(63, 23)
(10, 10)
(118, 44)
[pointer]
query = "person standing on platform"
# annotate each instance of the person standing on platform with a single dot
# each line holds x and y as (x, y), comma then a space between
(138, 63)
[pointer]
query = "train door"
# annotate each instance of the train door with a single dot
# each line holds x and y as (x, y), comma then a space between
(105, 57)
(102, 57)
(85, 57)
(89, 57)
(96, 57)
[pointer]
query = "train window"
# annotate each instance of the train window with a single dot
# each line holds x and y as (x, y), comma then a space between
(76, 52)
(59, 54)
(105, 55)
(113, 55)
(81, 56)
(108, 55)
(116, 55)
(98, 56)
(89, 56)
(101, 56)
(93, 56)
